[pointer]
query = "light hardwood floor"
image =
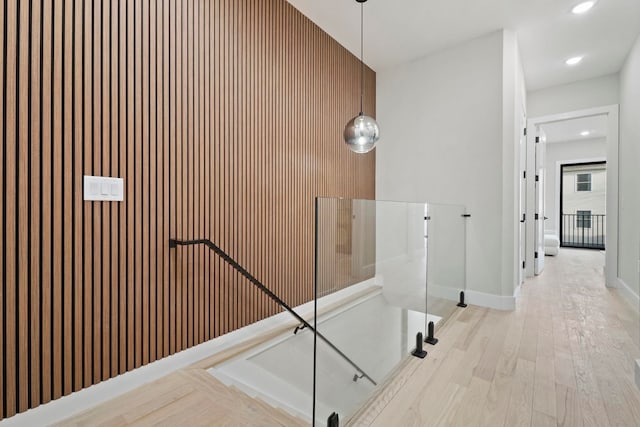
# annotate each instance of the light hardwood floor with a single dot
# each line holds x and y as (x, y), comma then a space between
(564, 357)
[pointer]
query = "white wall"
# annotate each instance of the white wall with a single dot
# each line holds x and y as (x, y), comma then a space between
(629, 169)
(514, 112)
(580, 95)
(446, 138)
(558, 153)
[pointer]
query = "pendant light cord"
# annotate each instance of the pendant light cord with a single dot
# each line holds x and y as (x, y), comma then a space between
(361, 57)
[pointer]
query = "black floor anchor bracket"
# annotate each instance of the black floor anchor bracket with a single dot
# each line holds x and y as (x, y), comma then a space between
(431, 339)
(333, 421)
(419, 352)
(462, 303)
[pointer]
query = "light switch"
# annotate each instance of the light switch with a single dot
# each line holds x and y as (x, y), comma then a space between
(103, 188)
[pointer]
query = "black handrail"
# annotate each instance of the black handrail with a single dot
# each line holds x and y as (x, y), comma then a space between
(174, 243)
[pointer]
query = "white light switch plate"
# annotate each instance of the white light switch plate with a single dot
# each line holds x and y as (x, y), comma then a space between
(103, 188)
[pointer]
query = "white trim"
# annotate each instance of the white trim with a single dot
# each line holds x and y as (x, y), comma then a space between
(516, 293)
(627, 293)
(482, 299)
(75, 403)
(556, 196)
(612, 113)
(637, 371)
(497, 302)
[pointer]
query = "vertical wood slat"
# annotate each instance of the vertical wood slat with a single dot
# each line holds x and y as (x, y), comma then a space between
(22, 238)
(179, 105)
(123, 151)
(78, 128)
(35, 192)
(105, 159)
(114, 208)
(130, 183)
(10, 207)
(3, 189)
(195, 165)
(215, 114)
(163, 243)
(172, 327)
(215, 36)
(190, 267)
(87, 159)
(46, 197)
(183, 104)
(138, 165)
(67, 197)
(152, 175)
(57, 214)
(3, 280)
(96, 169)
(144, 195)
(200, 178)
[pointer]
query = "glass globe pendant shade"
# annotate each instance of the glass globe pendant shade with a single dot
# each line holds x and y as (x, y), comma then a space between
(361, 134)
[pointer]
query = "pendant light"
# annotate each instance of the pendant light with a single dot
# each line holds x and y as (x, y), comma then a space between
(361, 132)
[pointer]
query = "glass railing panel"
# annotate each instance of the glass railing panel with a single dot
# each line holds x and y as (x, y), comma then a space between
(446, 248)
(371, 284)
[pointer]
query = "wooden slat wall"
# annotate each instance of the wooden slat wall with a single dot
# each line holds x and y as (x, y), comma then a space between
(223, 117)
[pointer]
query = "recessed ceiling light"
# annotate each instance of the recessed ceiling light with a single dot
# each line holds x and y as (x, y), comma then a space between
(573, 61)
(585, 133)
(583, 7)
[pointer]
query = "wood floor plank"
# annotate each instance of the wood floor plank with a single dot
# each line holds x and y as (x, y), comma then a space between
(567, 407)
(544, 387)
(474, 399)
(494, 412)
(521, 404)
(497, 330)
(540, 419)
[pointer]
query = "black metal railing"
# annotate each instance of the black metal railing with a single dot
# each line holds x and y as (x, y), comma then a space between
(173, 243)
(583, 231)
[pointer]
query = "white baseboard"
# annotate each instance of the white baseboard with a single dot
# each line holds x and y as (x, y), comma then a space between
(474, 297)
(497, 302)
(637, 371)
(627, 293)
(75, 403)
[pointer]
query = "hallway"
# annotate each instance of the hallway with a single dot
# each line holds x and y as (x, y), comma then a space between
(564, 357)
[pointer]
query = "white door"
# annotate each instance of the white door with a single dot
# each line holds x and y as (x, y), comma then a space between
(539, 215)
(523, 200)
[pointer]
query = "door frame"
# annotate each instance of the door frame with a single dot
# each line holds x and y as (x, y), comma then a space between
(560, 204)
(612, 113)
(522, 200)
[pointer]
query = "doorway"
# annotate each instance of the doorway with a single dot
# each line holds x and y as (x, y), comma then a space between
(549, 218)
(583, 205)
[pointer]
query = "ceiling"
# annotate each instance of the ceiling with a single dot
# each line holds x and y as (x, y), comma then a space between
(402, 30)
(570, 130)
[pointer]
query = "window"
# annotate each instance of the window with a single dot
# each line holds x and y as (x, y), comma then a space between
(583, 219)
(583, 182)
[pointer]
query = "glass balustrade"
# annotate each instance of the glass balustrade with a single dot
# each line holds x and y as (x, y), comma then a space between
(375, 265)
